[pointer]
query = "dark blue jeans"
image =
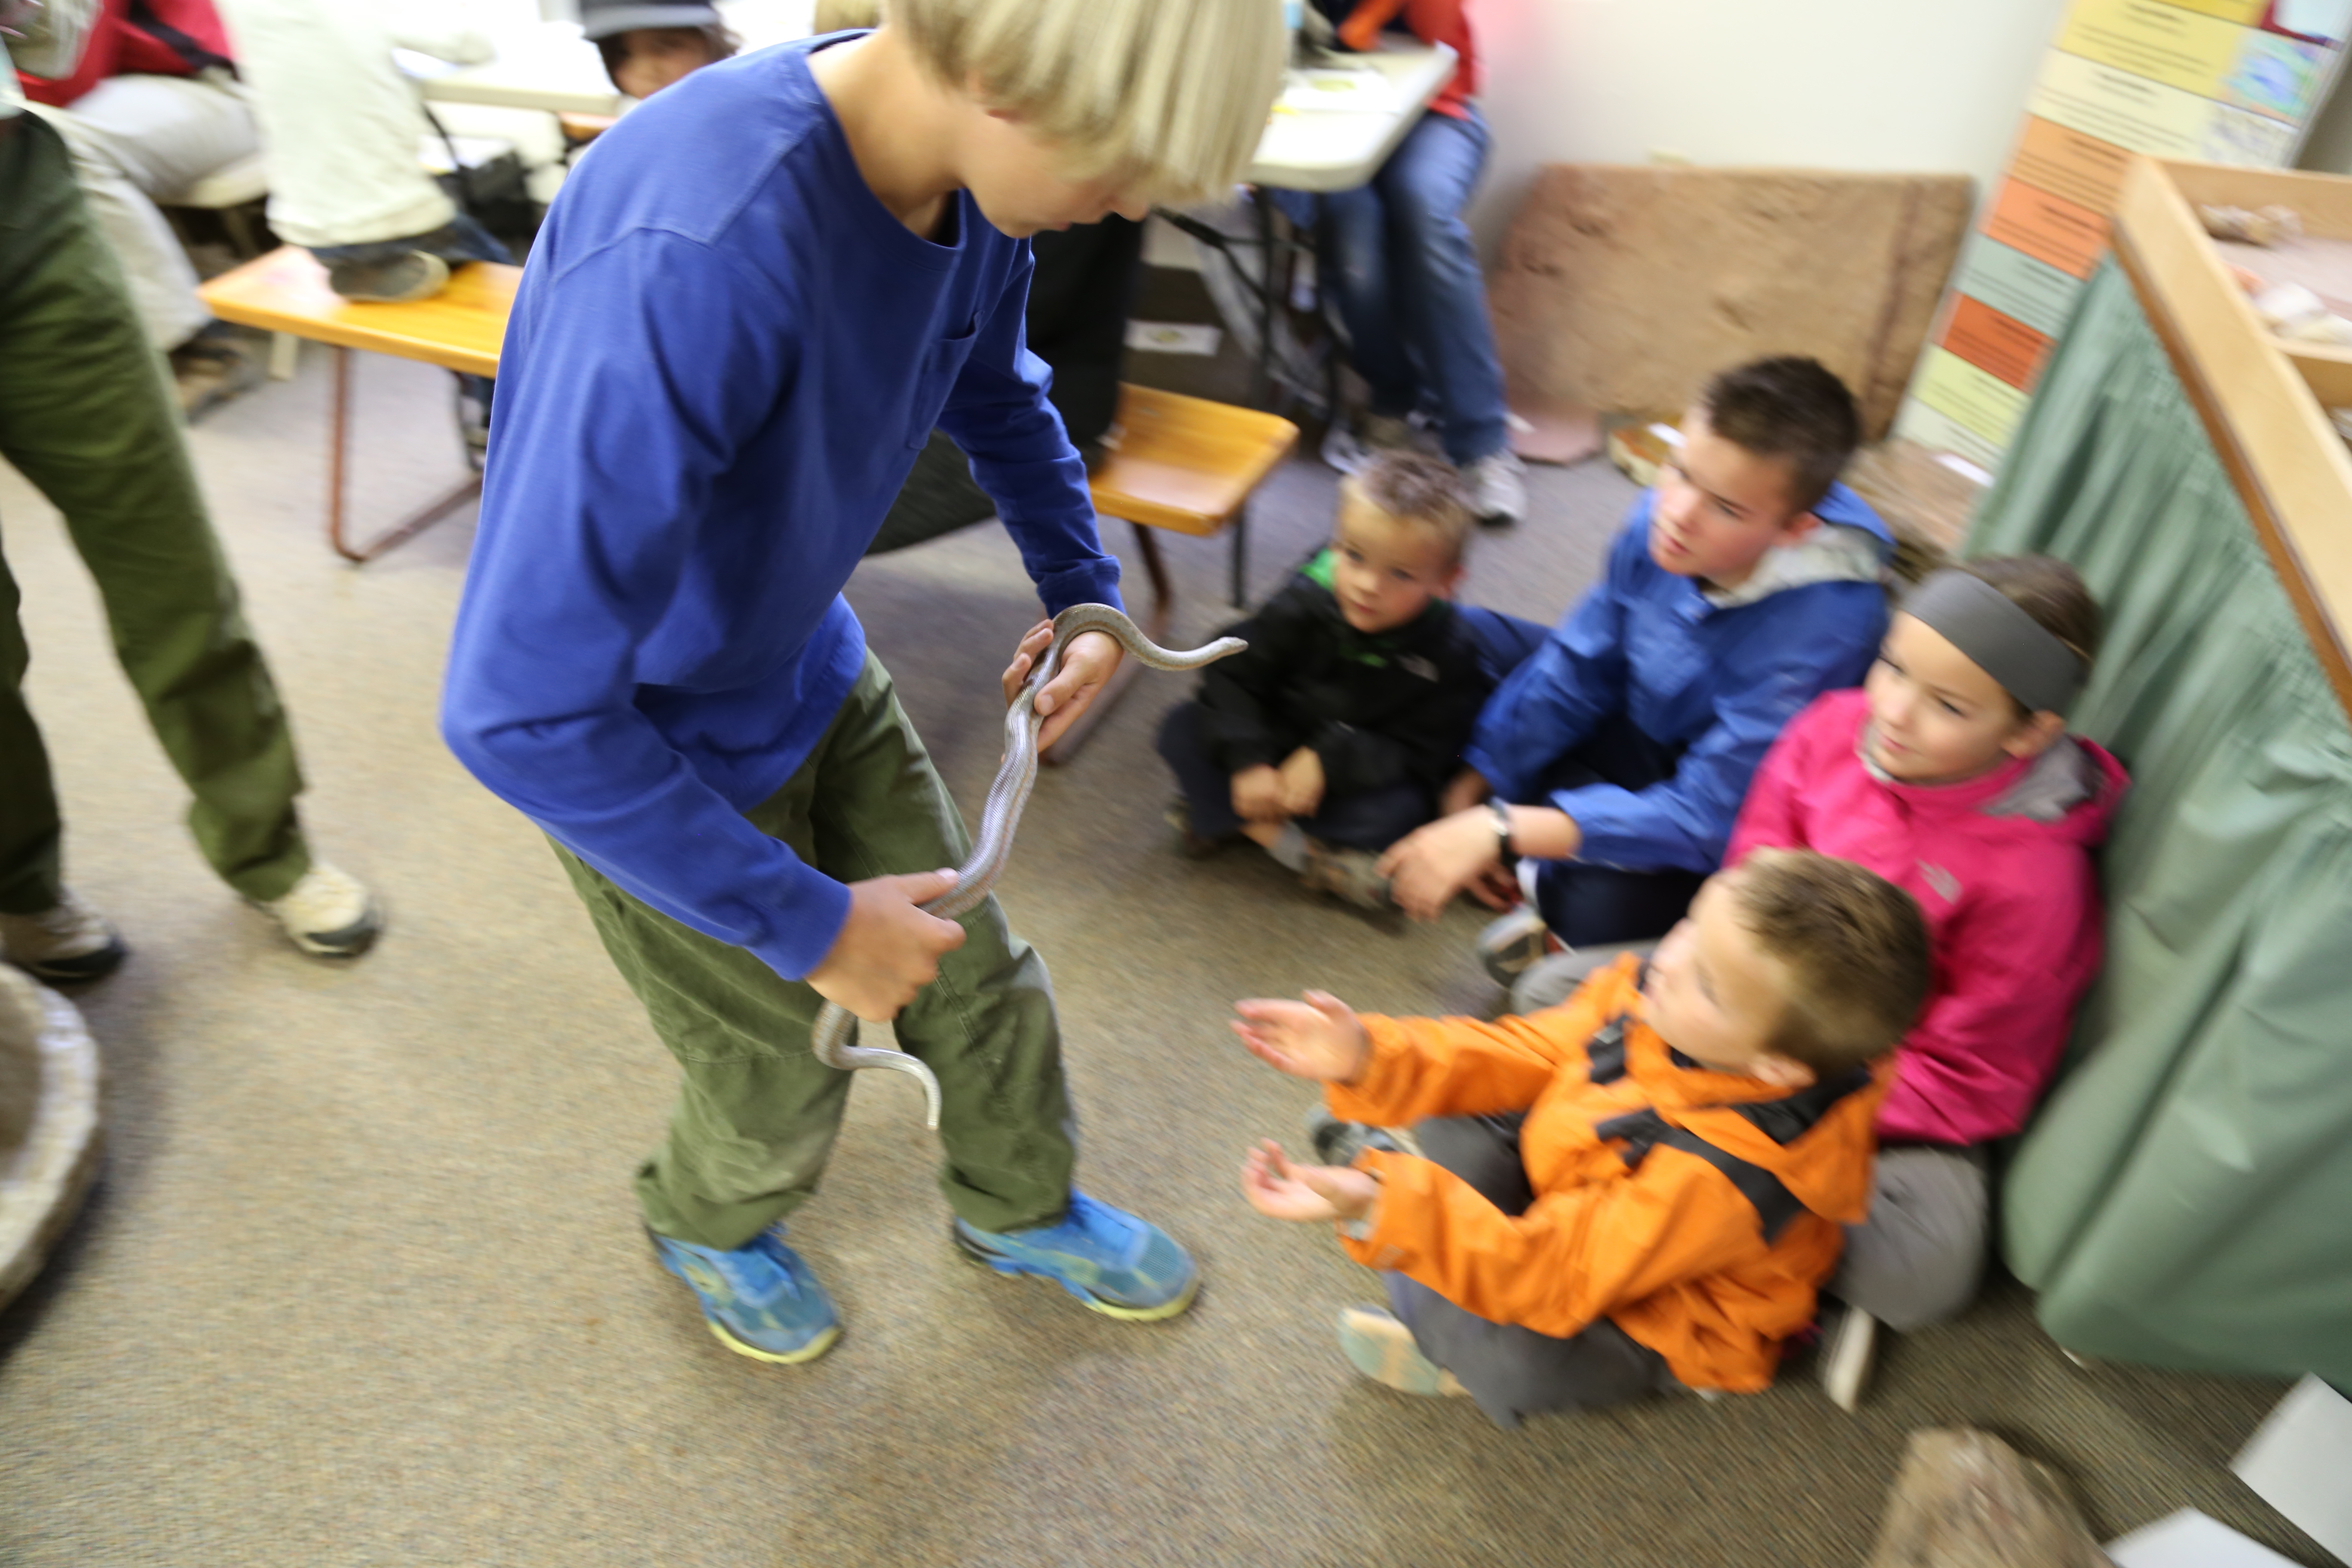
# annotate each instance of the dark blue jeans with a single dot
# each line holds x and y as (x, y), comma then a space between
(1587, 905)
(1372, 820)
(1400, 261)
(460, 239)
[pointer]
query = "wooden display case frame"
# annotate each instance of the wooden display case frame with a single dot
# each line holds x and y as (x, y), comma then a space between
(2263, 402)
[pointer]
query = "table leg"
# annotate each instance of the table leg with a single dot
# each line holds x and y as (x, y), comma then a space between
(1261, 206)
(338, 442)
(1241, 558)
(1154, 621)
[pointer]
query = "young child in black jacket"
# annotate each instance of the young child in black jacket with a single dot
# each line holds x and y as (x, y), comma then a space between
(1331, 737)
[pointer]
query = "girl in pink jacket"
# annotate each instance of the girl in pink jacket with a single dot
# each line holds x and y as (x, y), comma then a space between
(1951, 774)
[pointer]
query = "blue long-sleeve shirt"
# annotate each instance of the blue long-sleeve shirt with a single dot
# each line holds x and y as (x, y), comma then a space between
(723, 357)
(1719, 679)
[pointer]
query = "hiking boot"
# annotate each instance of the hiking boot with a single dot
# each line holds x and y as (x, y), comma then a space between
(760, 1299)
(67, 944)
(419, 275)
(1382, 1349)
(1497, 483)
(1512, 943)
(1338, 1143)
(1116, 1264)
(1349, 873)
(329, 913)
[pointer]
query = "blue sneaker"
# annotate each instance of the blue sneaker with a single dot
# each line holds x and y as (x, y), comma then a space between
(760, 1299)
(1116, 1264)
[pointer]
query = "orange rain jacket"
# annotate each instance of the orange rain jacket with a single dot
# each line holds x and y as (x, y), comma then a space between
(1698, 1210)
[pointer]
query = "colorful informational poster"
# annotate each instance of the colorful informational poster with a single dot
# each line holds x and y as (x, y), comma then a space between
(2223, 81)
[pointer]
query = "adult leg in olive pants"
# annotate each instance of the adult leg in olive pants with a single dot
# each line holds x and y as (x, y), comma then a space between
(757, 1113)
(86, 416)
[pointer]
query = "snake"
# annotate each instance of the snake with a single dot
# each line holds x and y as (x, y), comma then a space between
(833, 1037)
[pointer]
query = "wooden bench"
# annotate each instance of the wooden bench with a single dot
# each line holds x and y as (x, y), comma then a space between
(459, 328)
(1188, 464)
(1182, 463)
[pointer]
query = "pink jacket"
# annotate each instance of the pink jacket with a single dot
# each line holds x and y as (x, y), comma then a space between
(2001, 865)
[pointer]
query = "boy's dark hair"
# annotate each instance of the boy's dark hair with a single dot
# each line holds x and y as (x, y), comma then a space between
(1789, 407)
(718, 42)
(1414, 487)
(2054, 593)
(1854, 945)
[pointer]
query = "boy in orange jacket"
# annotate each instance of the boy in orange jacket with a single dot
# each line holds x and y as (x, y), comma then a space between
(1642, 1187)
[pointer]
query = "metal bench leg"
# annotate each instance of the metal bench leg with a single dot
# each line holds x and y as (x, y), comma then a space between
(1154, 621)
(337, 440)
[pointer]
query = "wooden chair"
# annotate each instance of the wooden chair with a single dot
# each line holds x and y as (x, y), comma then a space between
(1190, 465)
(459, 328)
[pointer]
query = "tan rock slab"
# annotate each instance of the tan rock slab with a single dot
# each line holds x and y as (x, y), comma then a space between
(1623, 288)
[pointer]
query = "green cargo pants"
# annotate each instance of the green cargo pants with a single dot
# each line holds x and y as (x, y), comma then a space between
(86, 416)
(756, 1113)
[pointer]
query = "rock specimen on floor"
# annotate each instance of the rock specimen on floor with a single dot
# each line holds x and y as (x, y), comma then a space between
(1965, 1500)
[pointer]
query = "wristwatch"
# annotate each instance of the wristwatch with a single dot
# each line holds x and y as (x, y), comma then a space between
(1503, 850)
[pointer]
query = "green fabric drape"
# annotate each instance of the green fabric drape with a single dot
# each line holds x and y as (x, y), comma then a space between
(2185, 1198)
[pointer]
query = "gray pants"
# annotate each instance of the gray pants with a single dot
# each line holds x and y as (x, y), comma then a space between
(1548, 982)
(1512, 1371)
(1920, 1257)
(140, 140)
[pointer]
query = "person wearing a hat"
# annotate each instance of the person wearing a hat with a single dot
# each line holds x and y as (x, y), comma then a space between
(650, 44)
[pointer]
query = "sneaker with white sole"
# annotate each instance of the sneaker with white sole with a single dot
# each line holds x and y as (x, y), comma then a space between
(1514, 943)
(760, 1299)
(330, 914)
(1380, 1347)
(1338, 1143)
(1117, 1265)
(1498, 488)
(67, 944)
(1849, 1350)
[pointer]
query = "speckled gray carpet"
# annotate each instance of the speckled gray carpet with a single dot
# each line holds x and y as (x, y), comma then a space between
(363, 1281)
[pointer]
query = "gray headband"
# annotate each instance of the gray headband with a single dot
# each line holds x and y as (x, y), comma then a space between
(1986, 625)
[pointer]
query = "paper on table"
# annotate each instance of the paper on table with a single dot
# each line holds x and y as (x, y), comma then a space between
(2298, 1460)
(2191, 1540)
(1325, 91)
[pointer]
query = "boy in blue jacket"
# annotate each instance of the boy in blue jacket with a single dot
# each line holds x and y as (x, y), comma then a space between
(1615, 756)
(743, 319)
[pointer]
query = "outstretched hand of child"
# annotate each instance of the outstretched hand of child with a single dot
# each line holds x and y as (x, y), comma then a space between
(1319, 1037)
(1280, 1190)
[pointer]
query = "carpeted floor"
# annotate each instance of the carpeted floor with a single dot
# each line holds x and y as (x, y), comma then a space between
(362, 1282)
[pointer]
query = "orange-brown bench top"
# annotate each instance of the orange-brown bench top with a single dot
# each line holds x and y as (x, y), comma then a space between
(285, 291)
(1186, 463)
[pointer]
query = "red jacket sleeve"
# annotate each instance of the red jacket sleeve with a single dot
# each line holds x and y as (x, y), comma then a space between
(1571, 1257)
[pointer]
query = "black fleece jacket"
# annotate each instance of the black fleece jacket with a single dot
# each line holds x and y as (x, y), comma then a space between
(1378, 709)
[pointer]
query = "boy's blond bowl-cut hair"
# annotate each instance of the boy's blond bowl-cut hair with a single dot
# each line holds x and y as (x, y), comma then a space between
(1171, 94)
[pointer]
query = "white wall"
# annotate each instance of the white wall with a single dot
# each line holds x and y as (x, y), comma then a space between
(1918, 86)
